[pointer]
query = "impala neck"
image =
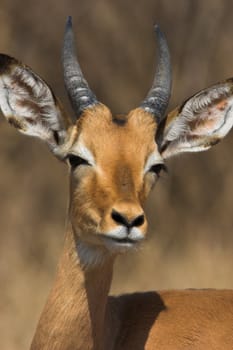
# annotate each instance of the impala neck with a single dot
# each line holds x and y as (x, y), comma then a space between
(74, 315)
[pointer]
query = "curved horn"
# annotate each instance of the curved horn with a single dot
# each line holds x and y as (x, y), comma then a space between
(157, 98)
(80, 95)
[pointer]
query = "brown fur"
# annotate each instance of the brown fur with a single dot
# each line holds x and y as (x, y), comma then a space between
(118, 182)
(79, 314)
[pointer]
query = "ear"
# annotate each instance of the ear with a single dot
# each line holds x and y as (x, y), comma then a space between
(199, 123)
(29, 104)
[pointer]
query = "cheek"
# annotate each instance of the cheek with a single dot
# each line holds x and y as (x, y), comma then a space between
(90, 200)
(81, 199)
(149, 183)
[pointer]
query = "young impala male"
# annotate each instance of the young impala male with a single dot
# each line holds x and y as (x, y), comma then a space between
(114, 162)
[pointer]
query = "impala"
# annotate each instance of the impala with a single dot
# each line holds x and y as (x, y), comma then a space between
(114, 162)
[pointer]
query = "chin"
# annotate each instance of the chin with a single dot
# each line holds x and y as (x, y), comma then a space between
(119, 241)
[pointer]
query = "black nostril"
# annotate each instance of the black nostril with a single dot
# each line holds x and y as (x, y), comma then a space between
(121, 219)
(138, 221)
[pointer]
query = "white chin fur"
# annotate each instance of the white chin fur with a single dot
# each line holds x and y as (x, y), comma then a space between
(92, 255)
(115, 247)
(112, 239)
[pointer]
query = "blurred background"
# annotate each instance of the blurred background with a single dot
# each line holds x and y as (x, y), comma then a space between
(190, 211)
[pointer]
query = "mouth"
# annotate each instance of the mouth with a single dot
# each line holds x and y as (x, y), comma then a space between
(120, 243)
(123, 240)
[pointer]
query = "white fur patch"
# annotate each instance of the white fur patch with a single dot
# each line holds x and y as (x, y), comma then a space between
(154, 158)
(136, 234)
(82, 151)
(121, 232)
(91, 255)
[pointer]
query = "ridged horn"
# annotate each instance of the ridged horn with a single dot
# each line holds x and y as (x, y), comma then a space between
(80, 94)
(157, 98)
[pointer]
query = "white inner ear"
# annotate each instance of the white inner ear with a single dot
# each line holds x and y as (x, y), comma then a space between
(15, 94)
(28, 103)
(213, 120)
(202, 122)
(82, 151)
(154, 158)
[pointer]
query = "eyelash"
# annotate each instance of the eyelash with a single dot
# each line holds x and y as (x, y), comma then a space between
(76, 161)
(157, 168)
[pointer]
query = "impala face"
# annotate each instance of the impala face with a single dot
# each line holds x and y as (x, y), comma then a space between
(114, 161)
(113, 168)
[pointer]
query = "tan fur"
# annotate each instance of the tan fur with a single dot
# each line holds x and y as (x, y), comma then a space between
(117, 181)
(73, 317)
(79, 314)
(115, 175)
(172, 320)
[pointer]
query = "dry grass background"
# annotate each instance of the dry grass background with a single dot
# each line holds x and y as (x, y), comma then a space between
(190, 211)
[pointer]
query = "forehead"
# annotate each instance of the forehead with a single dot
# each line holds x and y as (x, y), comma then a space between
(105, 134)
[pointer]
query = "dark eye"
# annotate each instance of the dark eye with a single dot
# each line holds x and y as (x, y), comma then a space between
(157, 168)
(75, 161)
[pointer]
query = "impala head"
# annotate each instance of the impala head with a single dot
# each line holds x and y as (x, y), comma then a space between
(114, 161)
(113, 166)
